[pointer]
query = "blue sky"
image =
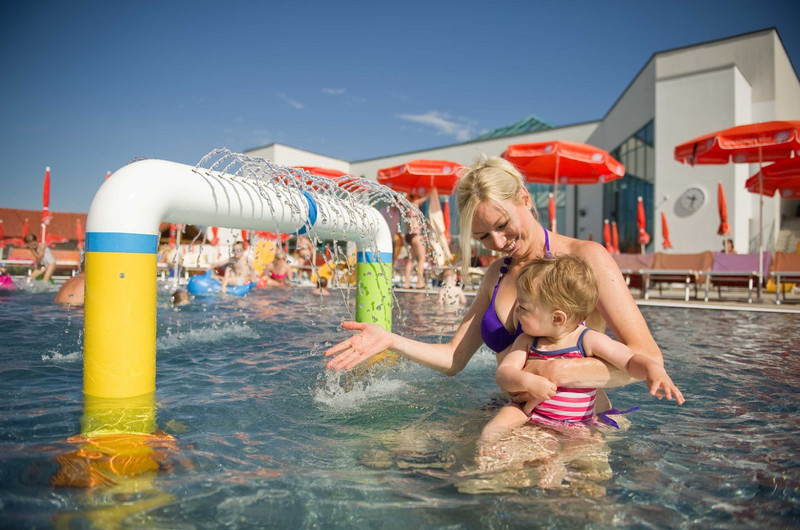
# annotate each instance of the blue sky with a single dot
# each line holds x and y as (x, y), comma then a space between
(87, 86)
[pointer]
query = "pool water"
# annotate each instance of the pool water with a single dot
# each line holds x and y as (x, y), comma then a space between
(265, 437)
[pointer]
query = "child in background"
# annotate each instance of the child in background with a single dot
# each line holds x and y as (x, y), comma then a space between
(238, 269)
(45, 262)
(180, 297)
(450, 293)
(278, 272)
(554, 297)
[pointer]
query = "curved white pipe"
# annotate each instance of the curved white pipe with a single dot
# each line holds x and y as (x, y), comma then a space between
(140, 196)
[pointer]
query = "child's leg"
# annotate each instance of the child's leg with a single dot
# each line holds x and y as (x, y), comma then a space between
(509, 417)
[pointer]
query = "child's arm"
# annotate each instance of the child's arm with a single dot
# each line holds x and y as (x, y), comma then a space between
(511, 377)
(636, 365)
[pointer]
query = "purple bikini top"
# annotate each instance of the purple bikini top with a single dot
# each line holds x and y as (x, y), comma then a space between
(493, 332)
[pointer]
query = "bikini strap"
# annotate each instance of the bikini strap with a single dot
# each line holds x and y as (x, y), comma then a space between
(503, 270)
(547, 253)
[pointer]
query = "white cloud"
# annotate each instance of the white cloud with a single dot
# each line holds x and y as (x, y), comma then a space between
(290, 101)
(461, 129)
(333, 91)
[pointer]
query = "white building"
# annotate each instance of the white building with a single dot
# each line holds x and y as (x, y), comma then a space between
(678, 95)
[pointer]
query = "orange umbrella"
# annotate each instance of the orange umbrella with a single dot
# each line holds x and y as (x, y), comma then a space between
(214, 236)
(756, 142)
(560, 162)
(343, 180)
(79, 233)
(722, 205)
(782, 176)
(420, 176)
(641, 221)
(25, 228)
(665, 232)
(615, 237)
(607, 236)
(551, 211)
(2, 235)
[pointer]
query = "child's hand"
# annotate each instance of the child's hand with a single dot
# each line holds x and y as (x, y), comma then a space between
(539, 389)
(661, 385)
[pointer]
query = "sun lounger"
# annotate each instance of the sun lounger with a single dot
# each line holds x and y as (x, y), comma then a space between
(688, 269)
(66, 260)
(785, 267)
(631, 266)
(736, 270)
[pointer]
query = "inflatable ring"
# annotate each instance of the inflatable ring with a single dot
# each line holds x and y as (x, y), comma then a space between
(206, 285)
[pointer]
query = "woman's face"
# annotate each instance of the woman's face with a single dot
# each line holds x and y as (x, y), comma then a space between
(504, 227)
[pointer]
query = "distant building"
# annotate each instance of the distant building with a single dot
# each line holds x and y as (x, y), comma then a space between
(678, 95)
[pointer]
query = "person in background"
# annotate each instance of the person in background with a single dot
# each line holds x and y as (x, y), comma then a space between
(239, 268)
(450, 293)
(45, 262)
(278, 272)
(415, 246)
(180, 297)
(71, 291)
(727, 246)
(322, 286)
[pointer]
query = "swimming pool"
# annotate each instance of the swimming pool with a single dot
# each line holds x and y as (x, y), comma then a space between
(267, 438)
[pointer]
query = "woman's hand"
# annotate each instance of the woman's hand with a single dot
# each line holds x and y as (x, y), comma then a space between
(371, 340)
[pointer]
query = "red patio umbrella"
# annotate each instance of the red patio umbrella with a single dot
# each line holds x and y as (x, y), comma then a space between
(79, 233)
(25, 228)
(560, 162)
(607, 236)
(2, 235)
(343, 180)
(641, 222)
(420, 176)
(551, 212)
(665, 232)
(45, 203)
(722, 206)
(752, 143)
(783, 176)
(615, 237)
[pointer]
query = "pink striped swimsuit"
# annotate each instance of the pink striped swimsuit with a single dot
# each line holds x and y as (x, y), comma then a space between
(569, 405)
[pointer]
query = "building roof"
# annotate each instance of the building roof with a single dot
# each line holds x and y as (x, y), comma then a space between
(61, 223)
(525, 125)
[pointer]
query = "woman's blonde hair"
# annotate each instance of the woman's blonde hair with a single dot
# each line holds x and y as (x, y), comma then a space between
(488, 179)
(563, 282)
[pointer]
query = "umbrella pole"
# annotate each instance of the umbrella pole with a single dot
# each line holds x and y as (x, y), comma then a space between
(555, 197)
(760, 224)
(177, 256)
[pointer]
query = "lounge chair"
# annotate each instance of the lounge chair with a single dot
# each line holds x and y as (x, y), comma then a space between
(736, 270)
(631, 266)
(785, 267)
(688, 269)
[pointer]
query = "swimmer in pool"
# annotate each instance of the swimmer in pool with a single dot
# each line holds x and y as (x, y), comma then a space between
(278, 272)
(238, 269)
(554, 297)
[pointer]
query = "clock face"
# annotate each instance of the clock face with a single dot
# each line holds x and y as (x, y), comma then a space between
(692, 199)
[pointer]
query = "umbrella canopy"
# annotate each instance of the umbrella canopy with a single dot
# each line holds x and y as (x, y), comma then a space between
(560, 162)
(783, 176)
(343, 180)
(2, 235)
(665, 232)
(79, 233)
(722, 206)
(753, 143)
(421, 176)
(641, 222)
(615, 237)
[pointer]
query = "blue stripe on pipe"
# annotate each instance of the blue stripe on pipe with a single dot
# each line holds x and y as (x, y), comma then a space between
(121, 242)
(372, 257)
(312, 212)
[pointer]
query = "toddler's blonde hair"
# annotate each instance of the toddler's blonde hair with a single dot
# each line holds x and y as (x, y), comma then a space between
(563, 282)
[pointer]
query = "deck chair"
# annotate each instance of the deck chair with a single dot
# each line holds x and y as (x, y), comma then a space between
(688, 269)
(631, 266)
(785, 267)
(735, 270)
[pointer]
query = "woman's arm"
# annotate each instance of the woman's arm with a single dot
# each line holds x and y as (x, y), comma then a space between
(448, 358)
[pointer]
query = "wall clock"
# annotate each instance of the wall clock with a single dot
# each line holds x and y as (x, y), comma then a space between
(692, 199)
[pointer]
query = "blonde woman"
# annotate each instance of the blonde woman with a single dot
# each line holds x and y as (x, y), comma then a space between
(496, 209)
